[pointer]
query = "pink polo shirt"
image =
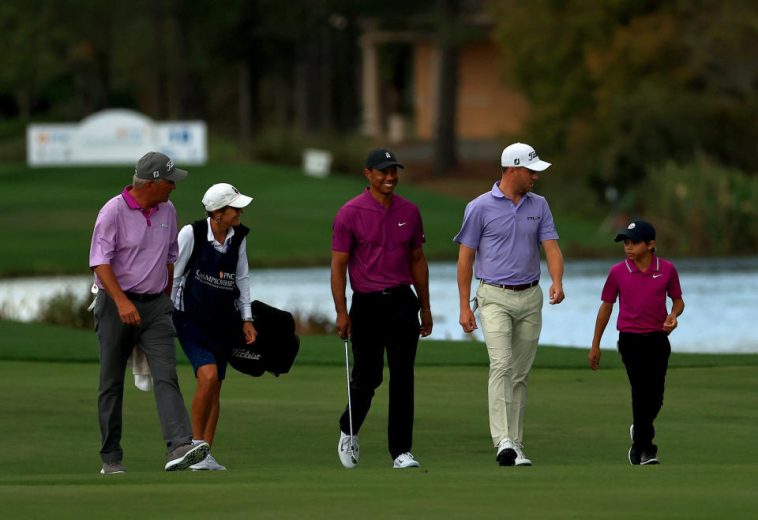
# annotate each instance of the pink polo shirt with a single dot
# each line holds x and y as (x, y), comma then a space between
(138, 245)
(379, 240)
(642, 295)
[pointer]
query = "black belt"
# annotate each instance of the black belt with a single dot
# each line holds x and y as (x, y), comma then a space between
(389, 291)
(520, 287)
(137, 297)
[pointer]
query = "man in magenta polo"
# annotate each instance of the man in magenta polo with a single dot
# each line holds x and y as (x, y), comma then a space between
(378, 238)
(133, 250)
(502, 231)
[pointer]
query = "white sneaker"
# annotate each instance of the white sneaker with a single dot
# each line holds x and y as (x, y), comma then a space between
(348, 454)
(521, 459)
(208, 464)
(506, 453)
(405, 460)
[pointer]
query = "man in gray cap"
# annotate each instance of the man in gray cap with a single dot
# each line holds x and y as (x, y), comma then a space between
(133, 250)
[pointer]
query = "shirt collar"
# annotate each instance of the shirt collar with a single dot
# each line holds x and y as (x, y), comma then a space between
(211, 238)
(367, 195)
(655, 265)
(132, 203)
(495, 192)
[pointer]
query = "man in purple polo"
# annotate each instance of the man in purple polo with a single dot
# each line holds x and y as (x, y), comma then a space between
(500, 240)
(133, 250)
(378, 238)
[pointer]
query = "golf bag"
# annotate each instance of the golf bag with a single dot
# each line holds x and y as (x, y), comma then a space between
(275, 347)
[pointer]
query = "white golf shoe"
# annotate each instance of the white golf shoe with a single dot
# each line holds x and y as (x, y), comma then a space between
(209, 463)
(506, 453)
(511, 453)
(405, 460)
(349, 454)
(521, 459)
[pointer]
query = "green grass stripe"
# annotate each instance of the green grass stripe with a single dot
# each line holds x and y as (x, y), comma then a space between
(278, 438)
(40, 342)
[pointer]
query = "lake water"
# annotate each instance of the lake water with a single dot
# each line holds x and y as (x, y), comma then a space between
(720, 297)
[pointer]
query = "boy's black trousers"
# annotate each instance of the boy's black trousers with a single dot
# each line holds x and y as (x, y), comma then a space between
(645, 357)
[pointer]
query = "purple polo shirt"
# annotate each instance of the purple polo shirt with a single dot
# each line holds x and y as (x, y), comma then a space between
(506, 236)
(138, 245)
(642, 295)
(379, 241)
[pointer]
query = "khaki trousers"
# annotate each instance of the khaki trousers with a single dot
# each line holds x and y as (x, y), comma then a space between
(511, 322)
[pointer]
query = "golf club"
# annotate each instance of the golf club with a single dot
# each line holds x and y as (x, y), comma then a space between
(349, 403)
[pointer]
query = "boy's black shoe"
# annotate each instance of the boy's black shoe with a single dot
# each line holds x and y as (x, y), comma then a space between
(649, 458)
(634, 456)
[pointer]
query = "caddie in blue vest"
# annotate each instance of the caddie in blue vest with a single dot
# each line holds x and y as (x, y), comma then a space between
(211, 295)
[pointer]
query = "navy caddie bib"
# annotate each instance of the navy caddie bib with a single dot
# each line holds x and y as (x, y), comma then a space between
(210, 290)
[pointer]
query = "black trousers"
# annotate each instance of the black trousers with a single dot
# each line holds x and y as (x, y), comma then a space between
(384, 320)
(645, 357)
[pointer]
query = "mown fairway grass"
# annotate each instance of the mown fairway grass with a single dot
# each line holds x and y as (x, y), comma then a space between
(278, 438)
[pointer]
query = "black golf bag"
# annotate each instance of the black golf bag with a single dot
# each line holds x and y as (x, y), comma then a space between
(274, 349)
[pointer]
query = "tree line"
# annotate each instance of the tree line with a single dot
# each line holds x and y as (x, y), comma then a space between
(620, 86)
(620, 90)
(652, 105)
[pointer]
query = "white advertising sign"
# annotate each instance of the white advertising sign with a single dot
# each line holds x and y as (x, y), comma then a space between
(316, 163)
(115, 137)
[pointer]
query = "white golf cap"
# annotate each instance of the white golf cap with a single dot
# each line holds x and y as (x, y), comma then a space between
(520, 154)
(223, 194)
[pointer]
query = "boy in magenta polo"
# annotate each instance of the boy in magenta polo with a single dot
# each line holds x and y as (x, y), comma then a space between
(377, 239)
(641, 282)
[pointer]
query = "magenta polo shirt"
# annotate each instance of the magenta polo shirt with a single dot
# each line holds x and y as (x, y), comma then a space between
(506, 236)
(642, 295)
(138, 245)
(379, 241)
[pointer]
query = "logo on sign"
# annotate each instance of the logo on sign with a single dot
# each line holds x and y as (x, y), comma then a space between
(179, 135)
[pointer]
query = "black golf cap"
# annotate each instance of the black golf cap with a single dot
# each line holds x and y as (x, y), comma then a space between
(637, 231)
(381, 159)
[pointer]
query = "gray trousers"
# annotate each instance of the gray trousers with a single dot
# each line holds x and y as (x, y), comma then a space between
(156, 338)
